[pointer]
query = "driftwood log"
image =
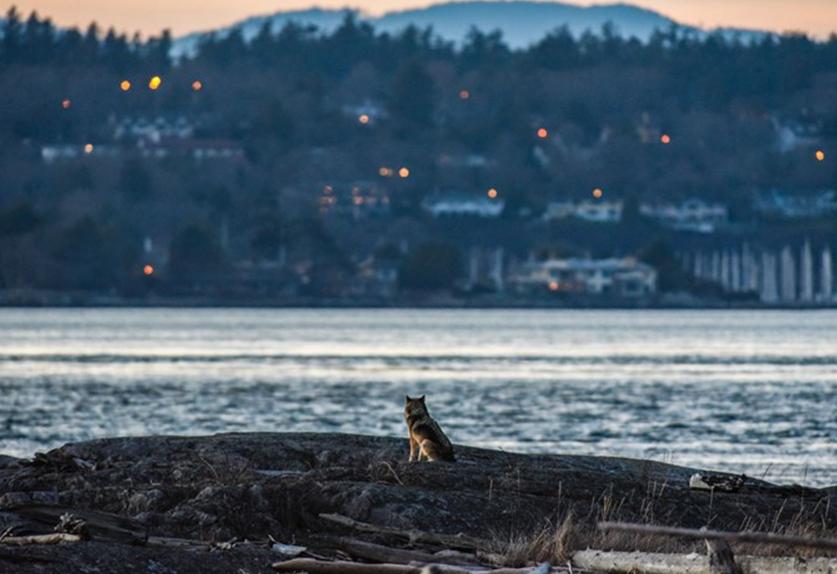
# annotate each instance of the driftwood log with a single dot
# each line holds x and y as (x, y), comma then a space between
(702, 534)
(653, 563)
(54, 538)
(338, 567)
(459, 541)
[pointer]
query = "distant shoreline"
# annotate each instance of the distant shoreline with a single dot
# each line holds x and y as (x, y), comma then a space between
(440, 302)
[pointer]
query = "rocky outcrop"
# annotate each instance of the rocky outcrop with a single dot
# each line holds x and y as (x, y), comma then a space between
(252, 486)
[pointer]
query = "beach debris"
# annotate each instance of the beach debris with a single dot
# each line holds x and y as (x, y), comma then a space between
(289, 550)
(71, 524)
(721, 558)
(716, 482)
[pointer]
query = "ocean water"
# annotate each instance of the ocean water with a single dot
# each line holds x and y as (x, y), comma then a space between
(742, 391)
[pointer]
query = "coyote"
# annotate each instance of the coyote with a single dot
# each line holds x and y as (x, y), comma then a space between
(426, 437)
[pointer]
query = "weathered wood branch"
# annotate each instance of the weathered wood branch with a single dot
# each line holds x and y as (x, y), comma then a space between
(55, 538)
(99, 525)
(460, 542)
(652, 563)
(749, 537)
(312, 566)
(385, 554)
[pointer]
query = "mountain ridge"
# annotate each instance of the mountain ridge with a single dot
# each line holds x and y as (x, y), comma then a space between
(523, 22)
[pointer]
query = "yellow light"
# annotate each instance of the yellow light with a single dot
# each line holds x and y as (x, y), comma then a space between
(155, 83)
(148, 270)
(598, 193)
(464, 94)
(543, 133)
(88, 148)
(553, 286)
(363, 118)
(665, 138)
(125, 86)
(66, 104)
(404, 172)
(197, 85)
(492, 193)
(820, 155)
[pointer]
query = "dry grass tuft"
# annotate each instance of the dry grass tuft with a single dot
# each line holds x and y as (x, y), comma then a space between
(556, 542)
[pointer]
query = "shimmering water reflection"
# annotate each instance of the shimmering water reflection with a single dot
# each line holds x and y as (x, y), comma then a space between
(743, 391)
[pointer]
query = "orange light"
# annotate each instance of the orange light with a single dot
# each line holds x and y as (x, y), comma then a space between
(598, 193)
(464, 94)
(384, 171)
(66, 104)
(155, 83)
(125, 86)
(404, 173)
(197, 85)
(492, 193)
(88, 148)
(148, 270)
(553, 286)
(543, 133)
(820, 155)
(363, 118)
(665, 138)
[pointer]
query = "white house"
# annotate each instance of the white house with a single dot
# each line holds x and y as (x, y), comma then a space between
(691, 215)
(618, 277)
(597, 211)
(463, 204)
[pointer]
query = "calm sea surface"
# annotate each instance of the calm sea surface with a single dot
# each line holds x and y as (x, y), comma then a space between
(743, 391)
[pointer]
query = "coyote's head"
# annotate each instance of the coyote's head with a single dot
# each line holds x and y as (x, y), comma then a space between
(415, 407)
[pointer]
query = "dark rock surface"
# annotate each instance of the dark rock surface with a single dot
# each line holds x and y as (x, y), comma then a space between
(251, 486)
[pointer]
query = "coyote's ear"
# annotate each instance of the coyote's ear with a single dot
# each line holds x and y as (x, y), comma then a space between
(408, 399)
(421, 398)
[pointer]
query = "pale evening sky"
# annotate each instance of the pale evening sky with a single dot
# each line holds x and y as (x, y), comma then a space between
(817, 17)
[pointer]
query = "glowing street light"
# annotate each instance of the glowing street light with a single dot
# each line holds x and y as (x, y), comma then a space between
(404, 173)
(88, 148)
(155, 83)
(384, 171)
(492, 193)
(197, 86)
(553, 286)
(148, 270)
(363, 119)
(820, 155)
(543, 133)
(665, 139)
(598, 193)
(66, 103)
(464, 94)
(125, 86)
